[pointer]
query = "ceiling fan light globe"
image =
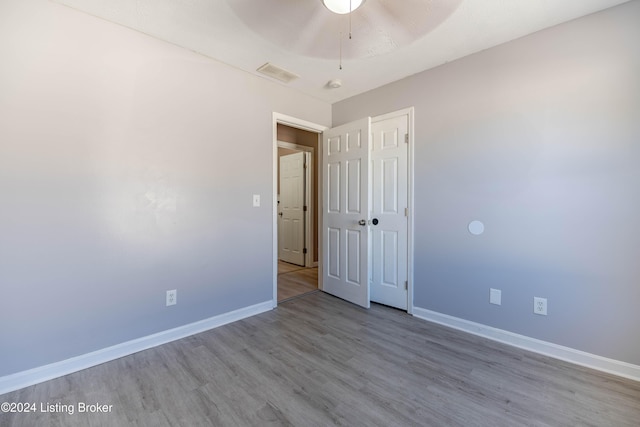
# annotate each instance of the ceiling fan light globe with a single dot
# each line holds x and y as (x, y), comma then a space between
(342, 7)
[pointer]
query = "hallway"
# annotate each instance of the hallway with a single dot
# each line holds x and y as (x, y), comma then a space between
(294, 280)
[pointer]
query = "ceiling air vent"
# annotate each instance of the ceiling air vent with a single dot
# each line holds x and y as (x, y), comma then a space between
(277, 73)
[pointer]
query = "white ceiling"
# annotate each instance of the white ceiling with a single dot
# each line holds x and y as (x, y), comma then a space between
(392, 39)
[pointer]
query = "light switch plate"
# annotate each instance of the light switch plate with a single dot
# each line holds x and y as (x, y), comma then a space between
(256, 200)
(495, 296)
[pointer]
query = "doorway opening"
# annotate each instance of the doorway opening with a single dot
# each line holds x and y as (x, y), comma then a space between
(296, 147)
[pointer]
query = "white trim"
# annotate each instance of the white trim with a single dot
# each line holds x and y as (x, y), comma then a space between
(299, 124)
(320, 206)
(578, 357)
(410, 113)
(308, 201)
(393, 114)
(410, 258)
(40, 374)
(294, 122)
(411, 248)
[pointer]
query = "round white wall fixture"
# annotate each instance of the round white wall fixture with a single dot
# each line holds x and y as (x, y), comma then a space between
(476, 228)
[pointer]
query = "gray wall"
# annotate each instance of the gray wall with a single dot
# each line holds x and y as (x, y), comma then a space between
(539, 139)
(127, 167)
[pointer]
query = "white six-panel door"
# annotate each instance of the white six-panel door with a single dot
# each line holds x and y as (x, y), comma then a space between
(291, 223)
(345, 211)
(389, 205)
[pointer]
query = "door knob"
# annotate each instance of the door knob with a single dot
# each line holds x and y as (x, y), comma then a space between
(362, 222)
(280, 214)
(374, 221)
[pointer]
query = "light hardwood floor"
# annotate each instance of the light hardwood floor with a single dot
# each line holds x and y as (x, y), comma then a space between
(318, 361)
(294, 281)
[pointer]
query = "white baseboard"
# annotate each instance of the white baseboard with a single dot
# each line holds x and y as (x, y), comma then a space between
(611, 366)
(54, 370)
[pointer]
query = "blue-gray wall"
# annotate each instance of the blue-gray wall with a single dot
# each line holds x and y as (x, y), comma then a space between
(538, 138)
(127, 168)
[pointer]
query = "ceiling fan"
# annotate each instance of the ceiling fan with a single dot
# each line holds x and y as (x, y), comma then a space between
(315, 28)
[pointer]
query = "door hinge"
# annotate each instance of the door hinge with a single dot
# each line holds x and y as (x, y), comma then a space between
(406, 138)
(304, 208)
(406, 211)
(304, 165)
(304, 251)
(406, 285)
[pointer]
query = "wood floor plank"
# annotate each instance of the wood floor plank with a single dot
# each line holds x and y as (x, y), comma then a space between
(318, 361)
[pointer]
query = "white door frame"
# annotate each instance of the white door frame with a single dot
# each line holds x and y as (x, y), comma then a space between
(309, 200)
(311, 127)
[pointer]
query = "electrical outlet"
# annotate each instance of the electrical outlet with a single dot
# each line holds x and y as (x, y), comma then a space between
(172, 297)
(495, 296)
(540, 306)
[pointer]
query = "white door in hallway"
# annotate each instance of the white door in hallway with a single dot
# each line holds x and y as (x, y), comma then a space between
(291, 223)
(389, 209)
(345, 210)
